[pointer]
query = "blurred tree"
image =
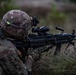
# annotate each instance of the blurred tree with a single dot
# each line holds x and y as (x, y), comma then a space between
(56, 17)
(5, 5)
(74, 1)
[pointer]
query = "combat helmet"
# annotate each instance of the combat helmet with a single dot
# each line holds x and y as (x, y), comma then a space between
(16, 23)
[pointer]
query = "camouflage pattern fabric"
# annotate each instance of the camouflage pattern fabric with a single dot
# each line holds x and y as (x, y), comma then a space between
(9, 60)
(21, 23)
(1, 71)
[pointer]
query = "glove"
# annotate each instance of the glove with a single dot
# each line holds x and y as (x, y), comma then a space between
(36, 53)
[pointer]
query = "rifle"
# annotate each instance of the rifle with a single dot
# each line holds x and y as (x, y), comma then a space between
(40, 37)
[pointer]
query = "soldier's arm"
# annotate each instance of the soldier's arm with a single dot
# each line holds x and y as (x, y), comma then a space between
(11, 63)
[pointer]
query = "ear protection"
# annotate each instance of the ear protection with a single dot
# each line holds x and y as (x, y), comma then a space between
(35, 21)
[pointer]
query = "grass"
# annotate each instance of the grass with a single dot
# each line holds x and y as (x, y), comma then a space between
(62, 64)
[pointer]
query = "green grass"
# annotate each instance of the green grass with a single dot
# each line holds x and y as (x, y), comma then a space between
(62, 64)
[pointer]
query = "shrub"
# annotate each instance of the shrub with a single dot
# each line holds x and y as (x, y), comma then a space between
(5, 5)
(56, 17)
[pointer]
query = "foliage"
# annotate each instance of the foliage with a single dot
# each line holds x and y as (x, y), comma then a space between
(5, 5)
(54, 18)
(62, 64)
(74, 1)
(55, 65)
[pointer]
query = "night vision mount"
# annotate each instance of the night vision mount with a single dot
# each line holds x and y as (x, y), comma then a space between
(35, 21)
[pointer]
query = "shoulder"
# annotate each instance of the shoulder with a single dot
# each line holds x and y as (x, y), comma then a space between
(6, 46)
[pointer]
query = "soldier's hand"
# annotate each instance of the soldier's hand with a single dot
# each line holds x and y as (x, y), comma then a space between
(36, 53)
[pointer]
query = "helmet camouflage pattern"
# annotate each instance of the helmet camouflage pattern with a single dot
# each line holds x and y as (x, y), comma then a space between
(19, 23)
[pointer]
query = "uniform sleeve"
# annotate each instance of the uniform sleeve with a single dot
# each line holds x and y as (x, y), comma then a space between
(11, 63)
(1, 71)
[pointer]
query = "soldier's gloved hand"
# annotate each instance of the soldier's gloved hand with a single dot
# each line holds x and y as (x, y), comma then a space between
(36, 53)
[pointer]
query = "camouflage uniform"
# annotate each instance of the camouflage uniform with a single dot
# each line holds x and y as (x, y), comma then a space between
(15, 24)
(9, 59)
(10, 63)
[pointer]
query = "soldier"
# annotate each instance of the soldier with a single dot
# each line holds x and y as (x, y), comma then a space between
(10, 56)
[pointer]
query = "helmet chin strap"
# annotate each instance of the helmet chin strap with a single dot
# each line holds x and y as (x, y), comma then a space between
(2, 36)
